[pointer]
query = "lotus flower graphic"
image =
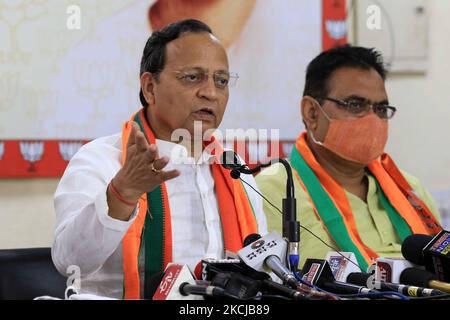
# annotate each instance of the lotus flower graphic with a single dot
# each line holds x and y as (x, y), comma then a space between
(32, 152)
(336, 29)
(94, 79)
(68, 149)
(9, 88)
(16, 12)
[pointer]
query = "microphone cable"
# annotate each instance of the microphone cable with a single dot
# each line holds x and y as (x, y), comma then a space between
(368, 295)
(301, 226)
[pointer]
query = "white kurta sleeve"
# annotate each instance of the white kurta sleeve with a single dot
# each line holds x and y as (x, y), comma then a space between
(85, 235)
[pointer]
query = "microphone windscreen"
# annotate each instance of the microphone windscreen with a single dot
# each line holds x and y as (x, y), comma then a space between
(358, 278)
(251, 238)
(153, 283)
(416, 277)
(412, 247)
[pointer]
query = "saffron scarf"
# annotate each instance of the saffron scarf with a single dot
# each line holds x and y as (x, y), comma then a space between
(406, 211)
(155, 230)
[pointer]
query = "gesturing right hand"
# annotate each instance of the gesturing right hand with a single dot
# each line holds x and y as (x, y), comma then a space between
(143, 168)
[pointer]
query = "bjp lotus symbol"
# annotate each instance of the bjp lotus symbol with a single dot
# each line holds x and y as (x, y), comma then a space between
(32, 152)
(2, 149)
(336, 29)
(68, 149)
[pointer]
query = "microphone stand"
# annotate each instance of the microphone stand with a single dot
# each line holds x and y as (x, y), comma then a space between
(291, 227)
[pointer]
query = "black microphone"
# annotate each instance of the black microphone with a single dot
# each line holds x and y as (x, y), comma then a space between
(258, 256)
(431, 252)
(187, 289)
(291, 227)
(318, 273)
(412, 248)
(268, 252)
(177, 283)
(231, 161)
(368, 280)
(423, 278)
(214, 270)
(244, 288)
(237, 285)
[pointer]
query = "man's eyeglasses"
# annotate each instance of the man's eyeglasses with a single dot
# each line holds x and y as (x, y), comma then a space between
(221, 79)
(361, 107)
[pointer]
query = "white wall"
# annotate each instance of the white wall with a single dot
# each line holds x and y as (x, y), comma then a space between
(420, 131)
(419, 139)
(27, 216)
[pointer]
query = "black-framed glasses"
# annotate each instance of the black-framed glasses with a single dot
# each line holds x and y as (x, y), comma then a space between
(361, 107)
(196, 76)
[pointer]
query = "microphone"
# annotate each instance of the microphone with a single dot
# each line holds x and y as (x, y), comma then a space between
(423, 278)
(412, 248)
(177, 283)
(237, 285)
(171, 279)
(389, 269)
(318, 273)
(291, 227)
(187, 289)
(244, 287)
(215, 271)
(265, 254)
(342, 264)
(431, 252)
(207, 269)
(368, 280)
(231, 161)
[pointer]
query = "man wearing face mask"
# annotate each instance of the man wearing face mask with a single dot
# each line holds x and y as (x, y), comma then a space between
(349, 193)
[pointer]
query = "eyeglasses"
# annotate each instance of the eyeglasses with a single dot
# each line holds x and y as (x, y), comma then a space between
(221, 79)
(361, 107)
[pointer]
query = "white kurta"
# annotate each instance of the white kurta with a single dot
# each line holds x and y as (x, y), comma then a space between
(87, 237)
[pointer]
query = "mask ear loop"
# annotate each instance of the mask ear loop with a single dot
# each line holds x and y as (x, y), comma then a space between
(323, 111)
(326, 116)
